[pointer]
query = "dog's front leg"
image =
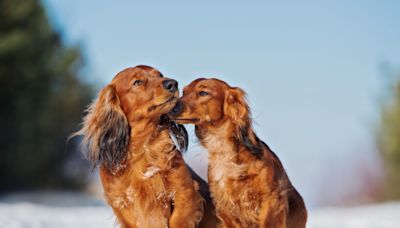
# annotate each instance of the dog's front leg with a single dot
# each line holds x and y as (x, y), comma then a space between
(227, 221)
(187, 202)
(124, 217)
(272, 215)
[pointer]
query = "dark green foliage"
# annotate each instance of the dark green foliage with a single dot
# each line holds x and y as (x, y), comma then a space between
(41, 100)
(389, 143)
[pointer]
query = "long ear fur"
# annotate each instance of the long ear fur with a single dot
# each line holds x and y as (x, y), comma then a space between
(177, 130)
(106, 131)
(237, 109)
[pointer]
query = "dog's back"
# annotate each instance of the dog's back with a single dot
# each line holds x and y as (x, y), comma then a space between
(297, 217)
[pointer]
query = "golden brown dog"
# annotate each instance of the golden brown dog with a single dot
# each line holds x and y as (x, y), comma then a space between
(248, 183)
(127, 135)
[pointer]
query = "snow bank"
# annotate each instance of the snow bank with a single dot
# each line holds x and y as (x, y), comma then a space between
(81, 213)
(370, 216)
(28, 215)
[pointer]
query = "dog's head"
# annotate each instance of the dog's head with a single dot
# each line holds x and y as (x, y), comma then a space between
(208, 103)
(135, 94)
(142, 93)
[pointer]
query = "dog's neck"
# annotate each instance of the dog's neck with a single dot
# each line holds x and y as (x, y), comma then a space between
(228, 138)
(143, 135)
(143, 128)
(218, 137)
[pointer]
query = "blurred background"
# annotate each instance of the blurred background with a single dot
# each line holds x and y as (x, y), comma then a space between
(322, 77)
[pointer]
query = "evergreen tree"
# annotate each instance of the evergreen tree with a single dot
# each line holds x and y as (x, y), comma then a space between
(41, 100)
(389, 143)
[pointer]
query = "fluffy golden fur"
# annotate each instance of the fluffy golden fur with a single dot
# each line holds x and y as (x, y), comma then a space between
(248, 183)
(127, 135)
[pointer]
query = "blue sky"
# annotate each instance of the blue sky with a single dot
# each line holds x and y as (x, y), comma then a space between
(310, 68)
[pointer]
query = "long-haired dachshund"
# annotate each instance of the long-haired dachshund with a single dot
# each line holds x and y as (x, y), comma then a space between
(127, 134)
(248, 183)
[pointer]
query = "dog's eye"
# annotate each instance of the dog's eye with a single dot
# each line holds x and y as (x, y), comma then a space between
(137, 82)
(203, 93)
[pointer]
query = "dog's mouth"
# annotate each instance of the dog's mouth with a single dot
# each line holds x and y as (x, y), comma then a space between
(170, 101)
(186, 120)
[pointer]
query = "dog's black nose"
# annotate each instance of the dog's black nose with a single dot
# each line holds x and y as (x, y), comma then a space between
(177, 109)
(170, 85)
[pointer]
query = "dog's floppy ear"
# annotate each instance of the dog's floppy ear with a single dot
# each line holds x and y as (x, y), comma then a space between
(178, 131)
(237, 109)
(235, 106)
(106, 131)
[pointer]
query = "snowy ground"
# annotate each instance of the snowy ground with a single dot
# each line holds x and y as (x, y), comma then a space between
(371, 216)
(76, 210)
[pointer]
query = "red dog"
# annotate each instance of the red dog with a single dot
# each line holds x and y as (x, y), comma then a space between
(248, 183)
(126, 133)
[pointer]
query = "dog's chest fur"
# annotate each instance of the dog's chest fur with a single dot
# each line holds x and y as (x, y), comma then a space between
(222, 164)
(142, 188)
(230, 186)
